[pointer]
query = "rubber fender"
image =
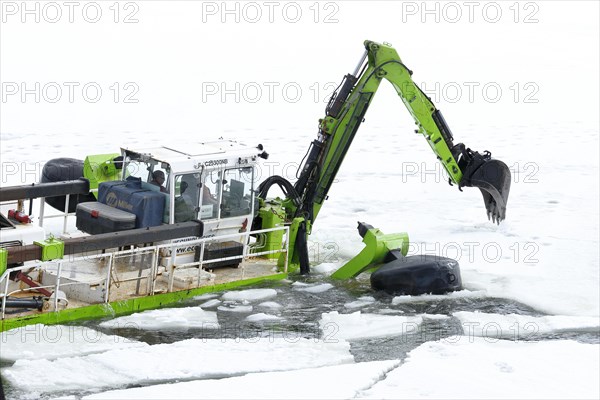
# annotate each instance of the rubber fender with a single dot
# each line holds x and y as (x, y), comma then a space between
(64, 169)
(419, 274)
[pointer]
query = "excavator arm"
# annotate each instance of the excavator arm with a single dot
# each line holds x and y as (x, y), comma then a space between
(346, 111)
(344, 114)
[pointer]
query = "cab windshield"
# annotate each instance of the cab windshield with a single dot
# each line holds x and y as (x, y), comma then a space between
(148, 170)
(227, 193)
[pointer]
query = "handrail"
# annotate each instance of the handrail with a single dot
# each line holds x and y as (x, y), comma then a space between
(65, 214)
(154, 264)
(47, 189)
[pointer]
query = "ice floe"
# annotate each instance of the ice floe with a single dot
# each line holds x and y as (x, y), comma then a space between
(260, 317)
(249, 295)
(335, 382)
(188, 359)
(463, 367)
(516, 326)
(166, 319)
(39, 341)
(363, 326)
(320, 288)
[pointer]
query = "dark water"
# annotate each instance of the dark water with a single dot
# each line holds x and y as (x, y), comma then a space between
(302, 311)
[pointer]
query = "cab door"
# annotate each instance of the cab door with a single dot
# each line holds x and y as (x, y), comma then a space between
(227, 200)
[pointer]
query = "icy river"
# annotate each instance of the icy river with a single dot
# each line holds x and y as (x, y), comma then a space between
(524, 86)
(335, 338)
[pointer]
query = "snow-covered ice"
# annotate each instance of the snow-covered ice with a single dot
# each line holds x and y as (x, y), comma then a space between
(166, 319)
(360, 302)
(438, 297)
(388, 311)
(326, 268)
(463, 367)
(236, 308)
(318, 288)
(335, 382)
(261, 317)
(53, 341)
(188, 359)
(271, 304)
(363, 326)
(516, 326)
(249, 295)
(210, 303)
(434, 316)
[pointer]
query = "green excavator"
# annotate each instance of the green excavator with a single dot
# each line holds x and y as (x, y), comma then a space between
(202, 213)
(384, 254)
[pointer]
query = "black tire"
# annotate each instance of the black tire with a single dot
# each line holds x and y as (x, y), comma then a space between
(64, 169)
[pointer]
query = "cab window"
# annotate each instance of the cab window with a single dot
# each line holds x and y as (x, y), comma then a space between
(237, 192)
(209, 195)
(187, 189)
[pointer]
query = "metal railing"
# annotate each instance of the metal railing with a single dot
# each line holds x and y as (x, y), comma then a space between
(63, 214)
(109, 258)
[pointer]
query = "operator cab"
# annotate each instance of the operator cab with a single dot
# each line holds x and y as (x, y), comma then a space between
(212, 182)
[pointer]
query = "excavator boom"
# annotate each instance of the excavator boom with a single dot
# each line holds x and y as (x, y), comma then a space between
(345, 112)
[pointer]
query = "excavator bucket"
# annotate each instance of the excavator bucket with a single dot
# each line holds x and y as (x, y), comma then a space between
(492, 177)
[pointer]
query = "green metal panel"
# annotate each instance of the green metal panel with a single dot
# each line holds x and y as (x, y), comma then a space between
(273, 216)
(100, 168)
(3, 260)
(52, 249)
(293, 257)
(377, 245)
